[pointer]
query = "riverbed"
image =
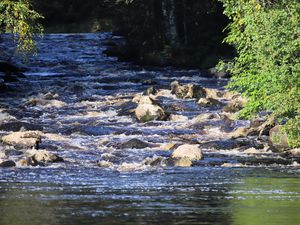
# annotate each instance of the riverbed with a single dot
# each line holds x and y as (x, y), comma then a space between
(78, 96)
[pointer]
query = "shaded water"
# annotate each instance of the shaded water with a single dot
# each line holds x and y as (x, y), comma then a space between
(92, 90)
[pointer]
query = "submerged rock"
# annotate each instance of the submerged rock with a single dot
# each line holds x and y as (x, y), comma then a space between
(135, 144)
(187, 91)
(7, 163)
(27, 139)
(192, 152)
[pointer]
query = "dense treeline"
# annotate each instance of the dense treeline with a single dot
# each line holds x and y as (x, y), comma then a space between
(176, 32)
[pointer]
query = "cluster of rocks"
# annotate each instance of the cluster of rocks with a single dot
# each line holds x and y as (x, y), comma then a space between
(22, 149)
(262, 135)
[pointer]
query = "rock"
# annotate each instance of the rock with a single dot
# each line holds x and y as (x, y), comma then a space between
(127, 108)
(293, 152)
(232, 165)
(235, 105)
(240, 132)
(17, 126)
(213, 93)
(29, 161)
(168, 146)
(178, 118)
(148, 110)
(135, 144)
(204, 117)
(150, 91)
(187, 91)
(103, 141)
(27, 139)
(278, 138)
(2, 155)
(50, 96)
(155, 161)
(43, 156)
(47, 103)
(7, 163)
(180, 162)
(252, 151)
(104, 164)
(192, 152)
(209, 102)
(4, 117)
(216, 73)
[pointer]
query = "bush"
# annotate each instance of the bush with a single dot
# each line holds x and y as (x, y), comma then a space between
(266, 70)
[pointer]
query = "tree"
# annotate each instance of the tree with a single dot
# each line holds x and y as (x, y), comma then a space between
(266, 70)
(18, 18)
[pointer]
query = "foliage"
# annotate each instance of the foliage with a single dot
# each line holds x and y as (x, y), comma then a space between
(18, 17)
(266, 35)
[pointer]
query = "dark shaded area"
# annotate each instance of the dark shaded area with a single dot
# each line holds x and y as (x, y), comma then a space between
(174, 32)
(159, 32)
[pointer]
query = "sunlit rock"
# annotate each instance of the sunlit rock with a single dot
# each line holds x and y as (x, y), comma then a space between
(43, 156)
(27, 139)
(148, 110)
(187, 91)
(168, 146)
(235, 105)
(104, 164)
(209, 102)
(192, 152)
(178, 118)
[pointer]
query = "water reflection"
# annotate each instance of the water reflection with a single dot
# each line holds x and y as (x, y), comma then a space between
(193, 196)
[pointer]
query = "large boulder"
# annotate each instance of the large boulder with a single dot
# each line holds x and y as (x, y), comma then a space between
(192, 152)
(27, 139)
(148, 110)
(187, 91)
(278, 138)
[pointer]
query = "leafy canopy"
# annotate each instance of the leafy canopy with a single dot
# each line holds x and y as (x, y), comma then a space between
(266, 35)
(18, 17)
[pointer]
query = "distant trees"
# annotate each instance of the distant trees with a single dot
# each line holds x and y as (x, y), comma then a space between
(18, 17)
(266, 35)
(176, 32)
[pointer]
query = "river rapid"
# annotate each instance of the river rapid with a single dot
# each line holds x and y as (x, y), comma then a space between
(78, 97)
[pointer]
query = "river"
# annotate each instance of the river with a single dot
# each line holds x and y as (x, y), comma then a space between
(87, 124)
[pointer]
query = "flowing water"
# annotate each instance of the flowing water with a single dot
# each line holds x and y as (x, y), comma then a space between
(85, 121)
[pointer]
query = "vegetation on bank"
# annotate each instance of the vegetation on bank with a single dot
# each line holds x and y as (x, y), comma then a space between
(19, 18)
(266, 70)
